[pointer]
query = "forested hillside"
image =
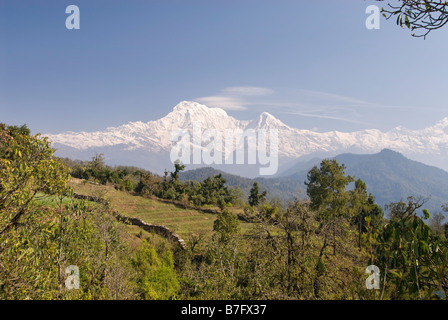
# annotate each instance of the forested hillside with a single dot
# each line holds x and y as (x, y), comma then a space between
(275, 187)
(237, 247)
(389, 176)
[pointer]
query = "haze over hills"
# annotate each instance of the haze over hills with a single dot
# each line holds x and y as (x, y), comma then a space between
(389, 176)
(148, 145)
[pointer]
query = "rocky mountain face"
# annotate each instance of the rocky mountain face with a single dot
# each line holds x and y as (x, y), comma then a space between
(148, 144)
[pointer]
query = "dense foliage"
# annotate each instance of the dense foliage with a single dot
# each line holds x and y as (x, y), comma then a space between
(317, 248)
(38, 243)
(210, 191)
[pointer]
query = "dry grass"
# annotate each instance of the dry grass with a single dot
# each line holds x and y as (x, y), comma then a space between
(182, 221)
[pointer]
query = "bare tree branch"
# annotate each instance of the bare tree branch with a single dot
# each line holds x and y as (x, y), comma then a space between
(422, 16)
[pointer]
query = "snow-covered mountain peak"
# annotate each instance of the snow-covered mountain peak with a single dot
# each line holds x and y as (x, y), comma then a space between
(186, 113)
(268, 121)
(188, 105)
(442, 123)
(195, 109)
(266, 115)
(154, 137)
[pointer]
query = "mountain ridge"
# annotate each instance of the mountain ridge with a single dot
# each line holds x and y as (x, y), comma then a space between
(389, 176)
(152, 139)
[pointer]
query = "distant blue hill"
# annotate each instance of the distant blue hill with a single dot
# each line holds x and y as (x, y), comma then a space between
(389, 176)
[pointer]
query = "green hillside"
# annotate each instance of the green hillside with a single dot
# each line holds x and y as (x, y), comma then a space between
(389, 176)
(316, 249)
(182, 221)
(275, 187)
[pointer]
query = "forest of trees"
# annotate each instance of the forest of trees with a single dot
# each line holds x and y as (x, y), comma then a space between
(210, 191)
(316, 248)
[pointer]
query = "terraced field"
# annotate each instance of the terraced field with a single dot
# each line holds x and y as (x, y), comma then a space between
(181, 221)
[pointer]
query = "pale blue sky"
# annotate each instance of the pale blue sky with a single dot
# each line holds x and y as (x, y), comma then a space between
(312, 64)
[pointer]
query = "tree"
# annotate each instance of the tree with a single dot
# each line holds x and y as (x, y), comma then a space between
(226, 225)
(156, 278)
(402, 210)
(362, 205)
(148, 184)
(255, 197)
(97, 170)
(412, 259)
(436, 224)
(177, 168)
(237, 196)
(210, 191)
(359, 204)
(37, 241)
(422, 16)
(27, 167)
(326, 190)
(97, 162)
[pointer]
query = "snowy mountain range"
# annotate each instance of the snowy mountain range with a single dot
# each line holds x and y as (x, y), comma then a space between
(148, 144)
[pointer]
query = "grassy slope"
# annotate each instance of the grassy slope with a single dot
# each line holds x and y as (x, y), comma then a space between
(182, 221)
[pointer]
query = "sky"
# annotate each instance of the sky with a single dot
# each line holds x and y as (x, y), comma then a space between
(312, 64)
